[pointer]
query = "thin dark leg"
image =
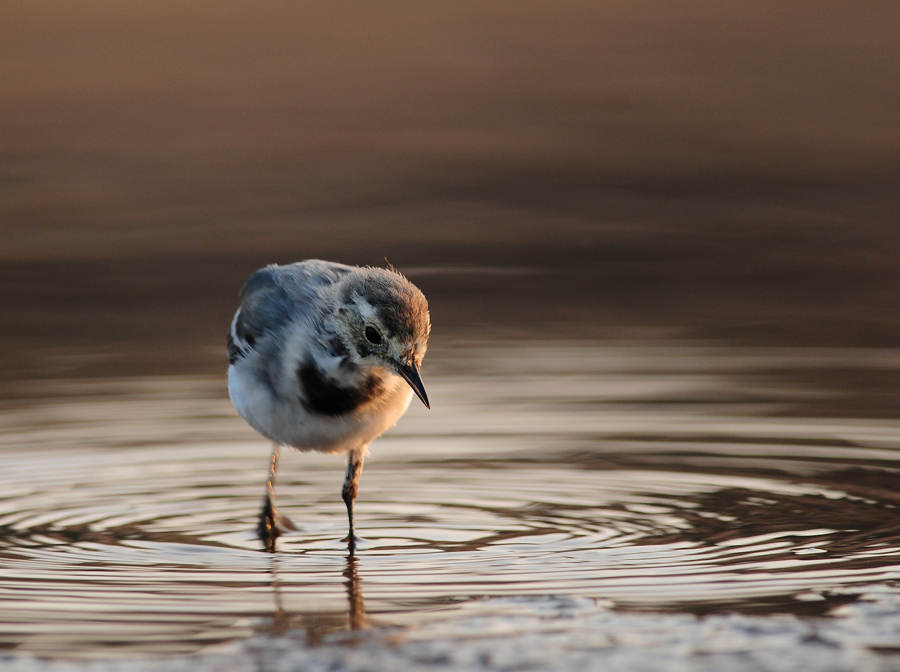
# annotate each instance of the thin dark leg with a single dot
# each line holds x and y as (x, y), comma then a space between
(267, 529)
(351, 487)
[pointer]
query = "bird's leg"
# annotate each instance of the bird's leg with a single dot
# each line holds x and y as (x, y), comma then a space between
(267, 529)
(351, 487)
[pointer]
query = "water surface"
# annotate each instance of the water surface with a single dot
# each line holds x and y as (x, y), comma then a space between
(662, 478)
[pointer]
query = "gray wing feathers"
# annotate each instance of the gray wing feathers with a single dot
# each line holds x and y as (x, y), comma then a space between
(305, 278)
(266, 306)
(274, 295)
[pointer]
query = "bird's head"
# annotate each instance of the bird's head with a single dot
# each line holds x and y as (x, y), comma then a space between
(382, 319)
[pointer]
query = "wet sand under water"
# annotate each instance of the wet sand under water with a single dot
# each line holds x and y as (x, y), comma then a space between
(568, 505)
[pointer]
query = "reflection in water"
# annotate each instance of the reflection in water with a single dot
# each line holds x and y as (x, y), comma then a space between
(357, 607)
(665, 479)
(283, 620)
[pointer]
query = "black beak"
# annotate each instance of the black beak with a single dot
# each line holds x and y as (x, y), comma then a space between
(410, 373)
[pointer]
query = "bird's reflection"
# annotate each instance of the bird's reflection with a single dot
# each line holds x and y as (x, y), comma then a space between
(318, 624)
(358, 620)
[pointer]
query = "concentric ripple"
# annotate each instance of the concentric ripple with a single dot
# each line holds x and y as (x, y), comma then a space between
(656, 478)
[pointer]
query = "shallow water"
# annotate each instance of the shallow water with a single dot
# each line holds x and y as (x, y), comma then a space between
(663, 481)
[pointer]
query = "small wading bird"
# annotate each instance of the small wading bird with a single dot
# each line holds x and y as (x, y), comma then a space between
(325, 357)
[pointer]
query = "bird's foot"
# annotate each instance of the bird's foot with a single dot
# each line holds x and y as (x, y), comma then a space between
(267, 528)
(352, 541)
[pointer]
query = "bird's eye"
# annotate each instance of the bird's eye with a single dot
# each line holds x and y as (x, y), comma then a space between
(372, 336)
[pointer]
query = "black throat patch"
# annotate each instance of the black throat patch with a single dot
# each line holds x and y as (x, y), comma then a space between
(323, 396)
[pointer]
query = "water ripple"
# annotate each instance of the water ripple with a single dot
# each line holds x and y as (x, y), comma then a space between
(127, 507)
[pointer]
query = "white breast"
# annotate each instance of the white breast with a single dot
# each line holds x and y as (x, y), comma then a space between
(286, 421)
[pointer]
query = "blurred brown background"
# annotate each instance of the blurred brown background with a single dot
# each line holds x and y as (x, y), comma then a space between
(555, 170)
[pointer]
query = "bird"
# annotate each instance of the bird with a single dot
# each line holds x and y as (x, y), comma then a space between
(325, 357)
